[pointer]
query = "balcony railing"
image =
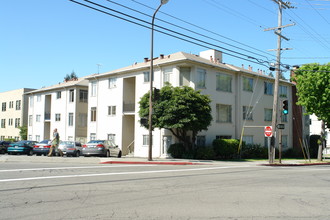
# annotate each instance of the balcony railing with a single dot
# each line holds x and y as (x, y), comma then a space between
(128, 107)
(47, 116)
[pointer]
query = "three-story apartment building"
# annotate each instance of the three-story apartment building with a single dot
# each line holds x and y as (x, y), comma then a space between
(13, 113)
(241, 98)
(62, 106)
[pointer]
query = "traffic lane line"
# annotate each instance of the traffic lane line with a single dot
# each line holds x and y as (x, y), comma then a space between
(118, 173)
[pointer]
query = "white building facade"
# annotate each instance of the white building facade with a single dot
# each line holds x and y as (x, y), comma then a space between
(240, 98)
(13, 113)
(62, 106)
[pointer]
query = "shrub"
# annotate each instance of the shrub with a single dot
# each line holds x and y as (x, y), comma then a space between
(254, 151)
(225, 148)
(176, 150)
(204, 153)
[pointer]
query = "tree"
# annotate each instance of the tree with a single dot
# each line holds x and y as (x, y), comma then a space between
(180, 110)
(313, 90)
(72, 76)
(23, 132)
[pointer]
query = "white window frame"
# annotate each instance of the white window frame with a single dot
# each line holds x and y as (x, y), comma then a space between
(112, 83)
(201, 78)
(268, 88)
(93, 88)
(224, 82)
(224, 113)
(247, 84)
(248, 113)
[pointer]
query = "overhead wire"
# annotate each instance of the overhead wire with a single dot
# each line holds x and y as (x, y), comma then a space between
(189, 30)
(199, 42)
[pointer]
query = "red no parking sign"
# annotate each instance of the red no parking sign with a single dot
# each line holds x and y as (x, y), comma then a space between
(268, 130)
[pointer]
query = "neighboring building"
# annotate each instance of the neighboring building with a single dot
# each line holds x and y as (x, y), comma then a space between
(62, 106)
(316, 128)
(13, 113)
(239, 97)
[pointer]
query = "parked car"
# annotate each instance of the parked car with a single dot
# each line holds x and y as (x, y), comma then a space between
(3, 146)
(104, 148)
(71, 148)
(42, 148)
(21, 147)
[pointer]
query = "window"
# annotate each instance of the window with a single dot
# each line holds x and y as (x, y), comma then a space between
(70, 122)
(185, 76)
(3, 123)
(268, 114)
(112, 83)
(17, 122)
(201, 140)
(38, 138)
(112, 110)
(11, 104)
(93, 88)
(30, 138)
(223, 137)
(4, 106)
(167, 75)
(268, 90)
(30, 120)
(10, 122)
(38, 118)
(38, 98)
(248, 84)
(83, 95)
(284, 118)
(31, 102)
(71, 95)
(284, 141)
(248, 139)
(82, 117)
(247, 113)
(57, 117)
(18, 104)
(223, 82)
(283, 91)
(146, 77)
(92, 136)
(93, 114)
(58, 94)
(145, 140)
(112, 137)
(223, 113)
(201, 78)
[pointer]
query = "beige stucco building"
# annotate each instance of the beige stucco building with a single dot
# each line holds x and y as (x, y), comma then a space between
(62, 106)
(240, 98)
(13, 113)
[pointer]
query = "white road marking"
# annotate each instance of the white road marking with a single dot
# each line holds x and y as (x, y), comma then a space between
(119, 173)
(66, 168)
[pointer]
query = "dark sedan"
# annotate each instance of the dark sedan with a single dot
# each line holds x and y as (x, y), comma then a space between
(42, 148)
(21, 147)
(103, 148)
(3, 146)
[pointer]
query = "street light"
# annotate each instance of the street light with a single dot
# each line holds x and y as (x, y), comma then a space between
(162, 2)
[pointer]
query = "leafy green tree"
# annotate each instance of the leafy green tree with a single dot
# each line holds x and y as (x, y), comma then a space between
(23, 132)
(71, 76)
(180, 110)
(313, 90)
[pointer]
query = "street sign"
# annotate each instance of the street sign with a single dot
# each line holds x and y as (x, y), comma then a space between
(268, 130)
(280, 126)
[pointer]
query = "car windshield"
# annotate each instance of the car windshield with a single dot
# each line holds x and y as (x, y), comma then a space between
(44, 142)
(96, 142)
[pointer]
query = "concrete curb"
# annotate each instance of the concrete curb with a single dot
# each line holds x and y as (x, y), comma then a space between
(294, 164)
(152, 162)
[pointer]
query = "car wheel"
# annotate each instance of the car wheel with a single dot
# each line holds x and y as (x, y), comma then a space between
(30, 153)
(77, 154)
(107, 154)
(119, 155)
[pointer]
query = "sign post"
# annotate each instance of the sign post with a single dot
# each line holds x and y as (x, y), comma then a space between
(268, 131)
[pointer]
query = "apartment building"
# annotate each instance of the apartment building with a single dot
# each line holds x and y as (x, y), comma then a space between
(62, 106)
(13, 113)
(241, 98)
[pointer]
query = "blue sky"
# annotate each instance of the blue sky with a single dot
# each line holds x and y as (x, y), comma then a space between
(42, 41)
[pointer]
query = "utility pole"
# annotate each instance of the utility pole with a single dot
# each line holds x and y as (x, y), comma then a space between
(278, 32)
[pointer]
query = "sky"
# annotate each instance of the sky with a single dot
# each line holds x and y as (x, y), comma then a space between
(44, 40)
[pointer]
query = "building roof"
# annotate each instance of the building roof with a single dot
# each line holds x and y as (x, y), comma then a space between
(177, 58)
(71, 83)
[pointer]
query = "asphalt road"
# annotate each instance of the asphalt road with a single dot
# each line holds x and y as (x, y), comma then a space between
(219, 191)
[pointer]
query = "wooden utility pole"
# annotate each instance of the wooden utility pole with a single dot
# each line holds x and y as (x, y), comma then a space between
(278, 32)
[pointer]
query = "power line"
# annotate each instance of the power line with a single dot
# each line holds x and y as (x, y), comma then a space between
(200, 42)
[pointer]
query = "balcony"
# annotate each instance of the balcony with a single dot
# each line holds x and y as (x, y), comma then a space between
(47, 116)
(128, 108)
